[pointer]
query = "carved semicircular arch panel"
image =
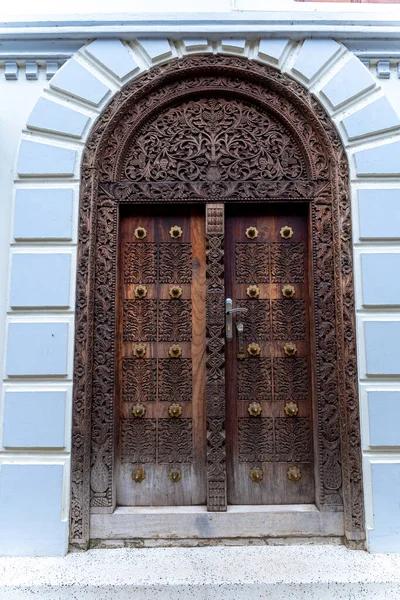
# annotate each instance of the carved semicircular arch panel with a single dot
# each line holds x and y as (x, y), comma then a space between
(213, 138)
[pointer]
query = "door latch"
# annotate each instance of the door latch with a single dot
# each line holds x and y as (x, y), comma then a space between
(229, 310)
(240, 355)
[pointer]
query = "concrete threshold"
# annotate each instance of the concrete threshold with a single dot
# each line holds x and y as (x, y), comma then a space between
(195, 522)
(213, 573)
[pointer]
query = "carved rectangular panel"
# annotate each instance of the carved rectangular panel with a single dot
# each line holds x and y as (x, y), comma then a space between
(152, 382)
(175, 262)
(138, 440)
(290, 378)
(140, 262)
(287, 262)
(252, 263)
(289, 319)
(175, 320)
(274, 440)
(175, 443)
(139, 380)
(292, 439)
(256, 440)
(254, 379)
(139, 320)
(174, 380)
(267, 274)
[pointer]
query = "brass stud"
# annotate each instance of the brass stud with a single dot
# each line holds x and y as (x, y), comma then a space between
(138, 475)
(175, 475)
(294, 474)
(175, 291)
(291, 409)
(140, 233)
(175, 410)
(254, 409)
(175, 351)
(290, 349)
(251, 233)
(140, 291)
(253, 291)
(286, 232)
(139, 410)
(254, 349)
(256, 474)
(139, 350)
(288, 291)
(176, 232)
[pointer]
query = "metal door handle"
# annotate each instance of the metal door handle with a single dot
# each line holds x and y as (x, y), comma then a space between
(240, 355)
(229, 310)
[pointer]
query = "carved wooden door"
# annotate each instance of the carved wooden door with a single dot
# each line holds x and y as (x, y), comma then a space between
(168, 366)
(161, 349)
(268, 386)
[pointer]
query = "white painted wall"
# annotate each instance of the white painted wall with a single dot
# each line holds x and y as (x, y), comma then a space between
(17, 99)
(43, 467)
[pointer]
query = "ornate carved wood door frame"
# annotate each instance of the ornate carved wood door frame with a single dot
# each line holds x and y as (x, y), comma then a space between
(322, 181)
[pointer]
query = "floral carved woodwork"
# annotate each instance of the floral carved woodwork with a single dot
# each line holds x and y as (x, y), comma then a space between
(175, 263)
(139, 379)
(256, 440)
(303, 159)
(252, 263)
(292, 439)
(138, 440)
(140, 263)
(175, 441)
(140, 320)
(274, 440)
(287, 263)
(290, 378)
(288, 319)
(175, 320)
(254, 379)
(217, 139)
(175, 380)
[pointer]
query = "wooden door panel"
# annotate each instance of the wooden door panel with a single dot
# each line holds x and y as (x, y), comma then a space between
(272, 441)
(149, 446)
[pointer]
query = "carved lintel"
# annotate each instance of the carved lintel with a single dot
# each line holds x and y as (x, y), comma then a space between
(226, 191)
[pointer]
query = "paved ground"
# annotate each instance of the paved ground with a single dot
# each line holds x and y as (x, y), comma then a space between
(234, 573)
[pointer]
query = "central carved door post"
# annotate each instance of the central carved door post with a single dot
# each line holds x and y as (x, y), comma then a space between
(215, 377)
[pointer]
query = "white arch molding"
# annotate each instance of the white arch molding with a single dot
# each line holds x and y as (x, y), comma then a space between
(62, 119)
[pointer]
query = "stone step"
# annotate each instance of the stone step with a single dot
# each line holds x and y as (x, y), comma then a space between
(306, 572)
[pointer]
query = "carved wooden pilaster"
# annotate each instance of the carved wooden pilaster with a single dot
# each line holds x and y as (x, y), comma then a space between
(347, 351)
(215, 361)
(326, 365)
(83, 357)
(104, 339)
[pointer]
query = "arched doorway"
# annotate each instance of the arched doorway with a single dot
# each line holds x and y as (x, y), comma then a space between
(206, 180)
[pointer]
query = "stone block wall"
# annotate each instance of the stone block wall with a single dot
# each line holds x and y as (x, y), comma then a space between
(38, 316)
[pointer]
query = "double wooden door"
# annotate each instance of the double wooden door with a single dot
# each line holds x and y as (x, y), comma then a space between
(162, 362)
